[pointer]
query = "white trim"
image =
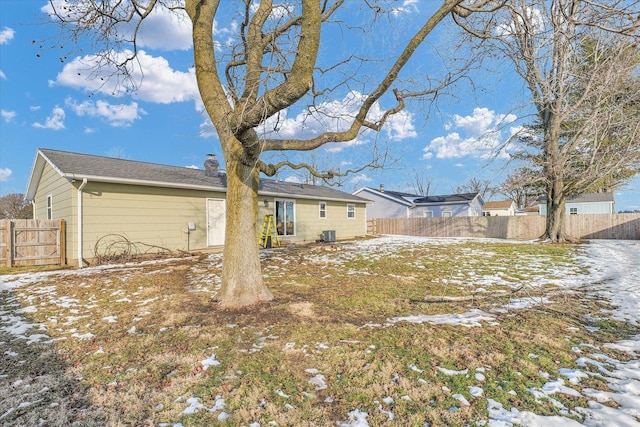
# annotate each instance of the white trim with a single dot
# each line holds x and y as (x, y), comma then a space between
(321, 211)
(351, 205)
(49, 206)
(80, 224)
(284, 211)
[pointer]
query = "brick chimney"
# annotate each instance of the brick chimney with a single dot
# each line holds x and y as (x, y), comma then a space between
(211, 165)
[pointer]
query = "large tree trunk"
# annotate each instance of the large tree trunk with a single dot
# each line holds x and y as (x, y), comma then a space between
(242, 282)
(555, 213)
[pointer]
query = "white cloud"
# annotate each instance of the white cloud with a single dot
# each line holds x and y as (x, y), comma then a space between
(5, 174)
(89, 131)
(34, 108)
(192, 167)
(118, 115)
(534, 21)
(157, 82)
(477, 135)
(55, 121)
(293, 179)
(337, 116)
(360, 179)
(3, 76)
(165, 29)
(7, 115)
(6, 35)
(408, 6)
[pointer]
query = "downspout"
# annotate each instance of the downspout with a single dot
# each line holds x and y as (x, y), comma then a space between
(80, 236)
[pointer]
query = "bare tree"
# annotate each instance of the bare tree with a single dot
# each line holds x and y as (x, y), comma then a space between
(477, 185)
(248, 78)
(523, 186)
(13, 206)
(421, 182)
(579, 107)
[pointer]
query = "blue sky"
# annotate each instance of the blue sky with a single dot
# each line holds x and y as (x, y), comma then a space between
(52, 104)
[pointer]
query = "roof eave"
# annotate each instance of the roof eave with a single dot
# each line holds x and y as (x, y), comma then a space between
(36, 174)
(386, 196)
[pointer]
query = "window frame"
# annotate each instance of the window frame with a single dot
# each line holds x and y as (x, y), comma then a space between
(285, 230)
(322, 210)
(447, 214)
(49, 206)
(351, 211)
(427, 214)
(573, 211)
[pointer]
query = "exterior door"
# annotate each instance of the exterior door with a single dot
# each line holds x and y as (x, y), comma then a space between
(216, 220)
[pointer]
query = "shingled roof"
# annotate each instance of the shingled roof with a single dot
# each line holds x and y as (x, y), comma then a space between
(448, 198)
(107, 169)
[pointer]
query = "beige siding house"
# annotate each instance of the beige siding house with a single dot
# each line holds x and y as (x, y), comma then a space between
(499, 208)
(109, 202)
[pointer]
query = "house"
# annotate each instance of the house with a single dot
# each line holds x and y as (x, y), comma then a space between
(583, 204)
(176, 208)
(387, 204)
(499, 208)
(394, 204)
(466, 204)
(529, 210)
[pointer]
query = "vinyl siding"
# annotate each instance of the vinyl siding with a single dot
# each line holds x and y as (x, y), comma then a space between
(309, 225)
(587, 208)
(384, 207)
(51, 183)
(144, 215)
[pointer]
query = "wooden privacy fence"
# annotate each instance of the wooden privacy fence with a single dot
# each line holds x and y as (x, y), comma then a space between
(31, 242)
(615, 226)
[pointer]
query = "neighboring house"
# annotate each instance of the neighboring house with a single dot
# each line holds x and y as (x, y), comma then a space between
(529, 210)
(583, 204)
(387, 204)
(499, 208)
(170, 207)
(466, 204)
(394, 204)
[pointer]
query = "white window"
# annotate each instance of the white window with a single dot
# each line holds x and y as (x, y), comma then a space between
(573, 211)
(49, 206)
(446, 214)
(323, 209)
(427, 214)
(351, 211)
(285, 217)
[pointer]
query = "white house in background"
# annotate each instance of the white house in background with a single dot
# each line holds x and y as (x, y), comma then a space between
(466, 204)
(395, 204)
(499, 208)
(583, 204)
(387, 204)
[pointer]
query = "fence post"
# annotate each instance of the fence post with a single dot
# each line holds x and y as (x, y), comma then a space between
(61, 243)
(8, 239)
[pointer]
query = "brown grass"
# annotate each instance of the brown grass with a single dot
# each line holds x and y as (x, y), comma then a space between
(142, 368)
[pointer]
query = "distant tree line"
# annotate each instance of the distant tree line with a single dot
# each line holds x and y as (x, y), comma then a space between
(13, 206)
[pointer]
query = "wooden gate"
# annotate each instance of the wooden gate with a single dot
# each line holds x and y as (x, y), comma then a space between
(32, 242)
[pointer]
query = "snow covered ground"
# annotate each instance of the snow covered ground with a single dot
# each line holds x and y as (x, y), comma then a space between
(613, 271)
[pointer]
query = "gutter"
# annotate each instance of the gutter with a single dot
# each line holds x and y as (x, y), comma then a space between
(80, 236)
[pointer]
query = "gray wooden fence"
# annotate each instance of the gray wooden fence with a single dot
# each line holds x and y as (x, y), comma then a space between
(616, 226)
(31, 242)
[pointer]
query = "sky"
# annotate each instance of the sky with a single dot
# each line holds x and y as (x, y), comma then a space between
(48, 100)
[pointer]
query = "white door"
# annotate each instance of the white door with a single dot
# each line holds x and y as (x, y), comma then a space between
(216, 220)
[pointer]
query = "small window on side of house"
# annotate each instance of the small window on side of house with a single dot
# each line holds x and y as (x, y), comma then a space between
(573, 211)
(322, 206)
(427, 214)
(446, 214)
(351, 211)
(49, 206)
